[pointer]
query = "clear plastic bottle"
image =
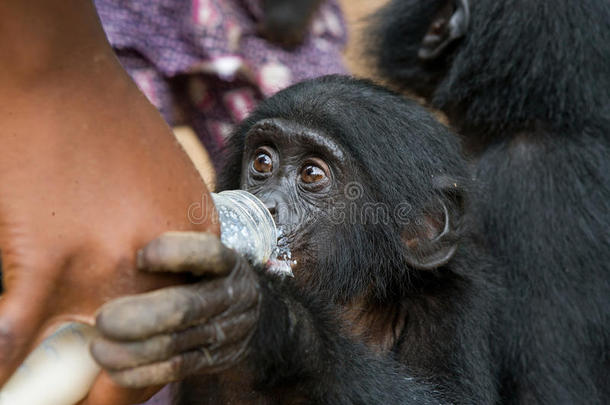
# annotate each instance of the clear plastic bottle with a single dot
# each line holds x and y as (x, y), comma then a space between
(246, 225)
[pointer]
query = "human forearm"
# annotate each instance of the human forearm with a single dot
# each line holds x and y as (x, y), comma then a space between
(90, 172)
(48, 37)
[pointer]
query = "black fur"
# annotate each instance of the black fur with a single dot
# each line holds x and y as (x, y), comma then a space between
(528, 88)
(395, 145)
(428, 338)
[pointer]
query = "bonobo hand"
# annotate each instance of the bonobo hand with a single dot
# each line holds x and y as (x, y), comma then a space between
(168, 334)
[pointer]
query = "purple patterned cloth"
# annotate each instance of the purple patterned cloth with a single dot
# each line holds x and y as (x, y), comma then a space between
(201, 62)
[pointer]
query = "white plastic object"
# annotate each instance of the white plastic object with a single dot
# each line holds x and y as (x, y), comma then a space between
(60, 371)
(246, 225)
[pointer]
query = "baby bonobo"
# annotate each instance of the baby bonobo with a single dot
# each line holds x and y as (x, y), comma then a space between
(388, 304)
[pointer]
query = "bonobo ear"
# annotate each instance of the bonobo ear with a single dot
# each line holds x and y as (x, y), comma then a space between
(450, 23)
(432, 241)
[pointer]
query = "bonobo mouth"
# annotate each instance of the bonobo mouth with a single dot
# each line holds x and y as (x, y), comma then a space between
(282, 261)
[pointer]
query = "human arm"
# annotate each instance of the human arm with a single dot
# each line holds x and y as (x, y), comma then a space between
(89, 173)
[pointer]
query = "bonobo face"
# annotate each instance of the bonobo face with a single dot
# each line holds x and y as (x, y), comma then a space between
(297, 172)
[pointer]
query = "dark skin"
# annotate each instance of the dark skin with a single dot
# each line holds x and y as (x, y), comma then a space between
(68, 243)
(350, 327)
(533, 114)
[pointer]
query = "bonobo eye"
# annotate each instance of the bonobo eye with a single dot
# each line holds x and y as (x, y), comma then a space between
(312, 174)
(263, 162)
(314, 171)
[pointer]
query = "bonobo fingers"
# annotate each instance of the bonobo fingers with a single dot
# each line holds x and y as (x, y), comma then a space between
(114, 355)
(196, 252)
(174, 308)
(202, 360)
(164, 335)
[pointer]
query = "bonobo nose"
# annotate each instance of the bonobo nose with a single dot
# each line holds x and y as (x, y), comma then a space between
(275, 205)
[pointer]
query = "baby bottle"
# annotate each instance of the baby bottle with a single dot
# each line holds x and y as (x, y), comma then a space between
(246, 225)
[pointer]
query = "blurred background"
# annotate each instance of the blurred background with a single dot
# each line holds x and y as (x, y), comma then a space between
(355, 13)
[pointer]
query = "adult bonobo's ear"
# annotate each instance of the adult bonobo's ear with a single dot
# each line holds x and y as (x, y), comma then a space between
(449, 24)
(433, 239)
